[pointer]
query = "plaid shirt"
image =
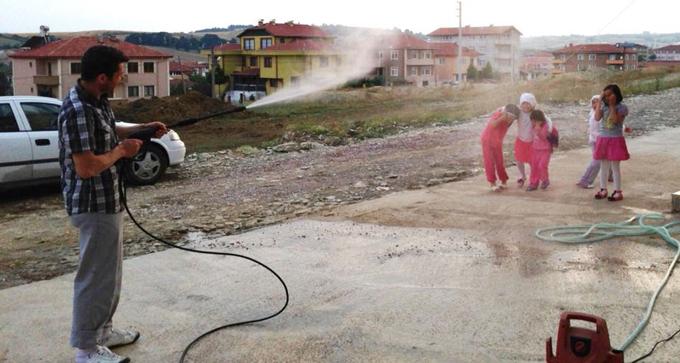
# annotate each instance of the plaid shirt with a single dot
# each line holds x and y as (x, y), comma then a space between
(87, 124)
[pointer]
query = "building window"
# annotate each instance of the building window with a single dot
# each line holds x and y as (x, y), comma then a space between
(75, 68)
(412, 54)
(428, 55)
(440, 61)
(395, 55)
(267, 62)
(133, 91)
(323, 61)
(427, 71)
(265, 43)
(394, 71)
(149, 91)
(249, 44)
(253, 61)
(592, 57)
(380, 55)
(580, 57)
(413, 71)
(148, 67)
(133, 67)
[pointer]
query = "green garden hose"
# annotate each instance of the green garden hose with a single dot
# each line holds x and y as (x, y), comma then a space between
(601, 231)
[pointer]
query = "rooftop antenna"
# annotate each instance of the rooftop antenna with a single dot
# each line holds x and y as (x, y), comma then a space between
(44, 30)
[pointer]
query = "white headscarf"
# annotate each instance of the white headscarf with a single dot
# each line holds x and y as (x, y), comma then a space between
(529, 98)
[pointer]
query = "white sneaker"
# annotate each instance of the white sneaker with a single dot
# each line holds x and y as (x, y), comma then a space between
(118, 337)
(101, 355)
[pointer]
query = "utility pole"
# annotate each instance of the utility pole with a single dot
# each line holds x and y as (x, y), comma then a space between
(212, 66)
(181, 70)
(459, 60)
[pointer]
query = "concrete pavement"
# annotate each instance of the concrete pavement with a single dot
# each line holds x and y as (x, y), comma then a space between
(446, 274)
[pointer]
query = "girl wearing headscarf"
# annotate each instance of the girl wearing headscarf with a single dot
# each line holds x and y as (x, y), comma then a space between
(525, 135)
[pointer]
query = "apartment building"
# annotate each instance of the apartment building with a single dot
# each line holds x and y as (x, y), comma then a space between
(497, 45)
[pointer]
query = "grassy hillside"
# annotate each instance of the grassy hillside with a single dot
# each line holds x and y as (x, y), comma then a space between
(337, 115)
(554, 42)
(11, 41)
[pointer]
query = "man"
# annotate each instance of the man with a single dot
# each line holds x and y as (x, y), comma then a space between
(89, 149)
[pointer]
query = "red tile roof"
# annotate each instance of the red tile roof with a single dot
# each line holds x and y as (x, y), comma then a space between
(404, 41)
(187, 66)
(669, 48)
(474, 30)
(451, 50)
(301, 45)
(290, 30)
(76, 47)
(593, 48)
(227, 47)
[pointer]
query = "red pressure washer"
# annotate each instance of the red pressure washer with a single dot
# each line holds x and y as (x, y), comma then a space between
(582, 345)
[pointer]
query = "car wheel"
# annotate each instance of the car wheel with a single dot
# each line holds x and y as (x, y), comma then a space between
(147, 166)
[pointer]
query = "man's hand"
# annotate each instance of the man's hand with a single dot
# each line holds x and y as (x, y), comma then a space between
(160, 127)
(130, 147)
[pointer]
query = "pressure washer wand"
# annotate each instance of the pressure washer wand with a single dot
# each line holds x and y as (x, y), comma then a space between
(193, 120)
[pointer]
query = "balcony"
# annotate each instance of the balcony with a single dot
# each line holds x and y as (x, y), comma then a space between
(42, 80)
(615, 61)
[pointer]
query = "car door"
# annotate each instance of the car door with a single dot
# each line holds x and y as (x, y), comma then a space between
(43, 137)
(16, 155)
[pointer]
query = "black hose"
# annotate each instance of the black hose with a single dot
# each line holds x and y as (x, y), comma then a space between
(123, 199)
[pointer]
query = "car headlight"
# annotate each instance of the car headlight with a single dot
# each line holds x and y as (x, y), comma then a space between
(173, 135)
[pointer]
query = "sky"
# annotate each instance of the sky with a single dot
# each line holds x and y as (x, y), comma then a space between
(531, 17)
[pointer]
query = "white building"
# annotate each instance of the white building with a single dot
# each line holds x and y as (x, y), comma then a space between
(497, 45)
(668, 53)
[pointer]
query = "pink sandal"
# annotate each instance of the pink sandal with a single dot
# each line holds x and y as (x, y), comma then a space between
(616, 196)
(601, 194)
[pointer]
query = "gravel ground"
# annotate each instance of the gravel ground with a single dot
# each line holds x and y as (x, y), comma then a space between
(224, 192)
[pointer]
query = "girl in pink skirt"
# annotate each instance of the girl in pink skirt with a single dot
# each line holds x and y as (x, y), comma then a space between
(610, 147)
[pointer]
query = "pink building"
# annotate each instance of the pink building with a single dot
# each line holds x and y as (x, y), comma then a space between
(404, 58)
(446, 62)
(52, 69)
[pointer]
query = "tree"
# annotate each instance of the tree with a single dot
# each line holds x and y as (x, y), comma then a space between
(5, 77)
(472, 72)
(487, 72)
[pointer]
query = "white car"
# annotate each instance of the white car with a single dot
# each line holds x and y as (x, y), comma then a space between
(29, 145)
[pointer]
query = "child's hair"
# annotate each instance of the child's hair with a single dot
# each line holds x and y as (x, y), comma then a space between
(537, 115)
(512, 109)
(615, 90)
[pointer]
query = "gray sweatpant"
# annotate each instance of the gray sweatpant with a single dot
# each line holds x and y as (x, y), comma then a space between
(98, 279)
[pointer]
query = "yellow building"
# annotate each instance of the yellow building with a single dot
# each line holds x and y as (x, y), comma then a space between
(272, 55)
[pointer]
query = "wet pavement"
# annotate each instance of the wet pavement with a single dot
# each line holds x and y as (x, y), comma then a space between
(450, 273)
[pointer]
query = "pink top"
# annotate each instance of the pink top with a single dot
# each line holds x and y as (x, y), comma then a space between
(495, 132)
(540, 141)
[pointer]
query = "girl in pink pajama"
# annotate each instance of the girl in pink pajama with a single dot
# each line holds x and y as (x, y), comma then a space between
(492, 145)
(541, 148)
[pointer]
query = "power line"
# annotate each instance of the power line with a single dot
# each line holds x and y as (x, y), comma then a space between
(616, 17)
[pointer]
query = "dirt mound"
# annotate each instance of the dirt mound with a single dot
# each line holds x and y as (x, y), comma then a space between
(168, 109)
